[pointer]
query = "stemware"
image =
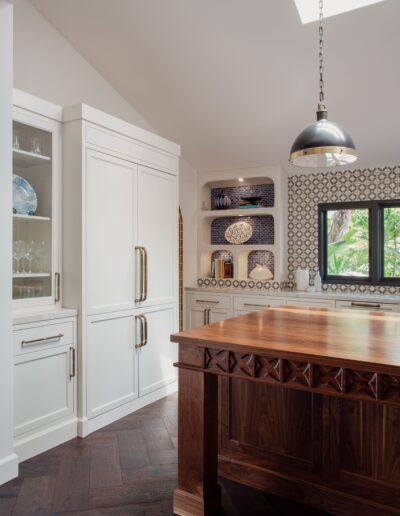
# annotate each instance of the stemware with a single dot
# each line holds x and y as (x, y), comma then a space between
(30, 254)
(39, 253)
(19, 254)
(35, 145)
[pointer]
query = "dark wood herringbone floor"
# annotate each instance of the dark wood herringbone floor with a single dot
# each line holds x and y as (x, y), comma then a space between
(128, 467)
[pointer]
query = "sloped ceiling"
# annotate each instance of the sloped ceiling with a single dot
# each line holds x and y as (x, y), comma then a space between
(234, 81)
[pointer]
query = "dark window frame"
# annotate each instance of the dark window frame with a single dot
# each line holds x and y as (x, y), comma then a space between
(376, 242)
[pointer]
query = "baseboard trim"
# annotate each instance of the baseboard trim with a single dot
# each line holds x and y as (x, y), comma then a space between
(39, 442)
(8, 468)
(91, 425)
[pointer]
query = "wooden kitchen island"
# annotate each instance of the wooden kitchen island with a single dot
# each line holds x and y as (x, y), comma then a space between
(300, 402)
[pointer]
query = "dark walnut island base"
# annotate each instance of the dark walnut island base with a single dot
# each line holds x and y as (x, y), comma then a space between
(300, 402)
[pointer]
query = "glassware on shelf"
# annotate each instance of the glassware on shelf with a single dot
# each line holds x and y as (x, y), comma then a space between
(35, 145)
(39, 253)
(19, 250)
(16, 141)
(30, 254)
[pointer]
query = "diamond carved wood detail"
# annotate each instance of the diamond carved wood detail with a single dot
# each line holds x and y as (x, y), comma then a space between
(306, 376)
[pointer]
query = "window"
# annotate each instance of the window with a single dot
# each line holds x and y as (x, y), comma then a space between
(359, 242)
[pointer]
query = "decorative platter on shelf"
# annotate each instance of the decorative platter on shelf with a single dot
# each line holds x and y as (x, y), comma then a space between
(239, 233)
(24, 196)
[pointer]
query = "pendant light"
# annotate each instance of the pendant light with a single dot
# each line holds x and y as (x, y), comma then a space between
(323, 143)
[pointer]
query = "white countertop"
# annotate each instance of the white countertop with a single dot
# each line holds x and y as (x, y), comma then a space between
(30, 315)
(382, 298)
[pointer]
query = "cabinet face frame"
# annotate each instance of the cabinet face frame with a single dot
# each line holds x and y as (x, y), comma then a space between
(53, 127)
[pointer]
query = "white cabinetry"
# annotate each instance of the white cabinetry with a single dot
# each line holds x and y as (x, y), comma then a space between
(317, 303)
(207, 308)
(367, 305)
(120, 261)
(44, 385)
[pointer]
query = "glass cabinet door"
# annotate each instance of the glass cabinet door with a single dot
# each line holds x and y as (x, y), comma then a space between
(33, 230)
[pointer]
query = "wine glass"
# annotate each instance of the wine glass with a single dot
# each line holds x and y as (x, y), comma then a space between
(30, 254)
(18, 254)
(39, 253)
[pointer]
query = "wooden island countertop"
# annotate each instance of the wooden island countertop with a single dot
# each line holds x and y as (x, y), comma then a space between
(309, 408)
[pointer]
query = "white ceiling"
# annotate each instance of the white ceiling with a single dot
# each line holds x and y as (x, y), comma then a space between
(234, 81)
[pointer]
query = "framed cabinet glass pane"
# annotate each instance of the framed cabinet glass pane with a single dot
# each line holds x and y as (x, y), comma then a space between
(32, 212)
(391, 242)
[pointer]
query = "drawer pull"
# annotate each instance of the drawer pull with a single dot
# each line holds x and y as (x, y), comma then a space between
(366, 305)
(205, 301)
(43, 339)
(255, 304)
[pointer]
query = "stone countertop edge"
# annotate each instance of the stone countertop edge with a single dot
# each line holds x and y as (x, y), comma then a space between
(31, 316)
(382, 298)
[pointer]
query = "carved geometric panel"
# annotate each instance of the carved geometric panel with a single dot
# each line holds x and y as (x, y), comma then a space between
(298, 372)
(330, 378)
(364, 383)
(269, 368)
(243, 364)
(217, 360)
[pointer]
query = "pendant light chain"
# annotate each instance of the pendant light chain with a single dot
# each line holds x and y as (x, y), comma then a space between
(321, 56)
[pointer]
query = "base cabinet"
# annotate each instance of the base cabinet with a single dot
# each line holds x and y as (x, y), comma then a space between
(199, 316)
(44, 385)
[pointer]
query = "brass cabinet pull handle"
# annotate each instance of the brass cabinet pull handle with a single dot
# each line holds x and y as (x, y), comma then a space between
(43, 339)
(366, 305)
(207, 301)
(72, 374)
(255, 304)
(145, 329)
(57, 277)
(144, 274)
(140, 344)
(140, 298)
(205, 316)
(208, 315)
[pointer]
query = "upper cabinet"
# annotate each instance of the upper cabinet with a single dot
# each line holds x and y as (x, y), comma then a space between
(36, 201)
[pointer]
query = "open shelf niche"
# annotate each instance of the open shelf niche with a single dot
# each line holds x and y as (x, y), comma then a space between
(264, 182)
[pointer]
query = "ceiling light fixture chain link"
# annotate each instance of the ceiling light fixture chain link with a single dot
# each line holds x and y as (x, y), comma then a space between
(321, 54)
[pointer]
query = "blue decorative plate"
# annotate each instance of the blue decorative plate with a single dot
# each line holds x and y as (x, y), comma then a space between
(24, 196)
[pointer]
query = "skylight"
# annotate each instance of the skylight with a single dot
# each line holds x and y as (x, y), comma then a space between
(309, 9)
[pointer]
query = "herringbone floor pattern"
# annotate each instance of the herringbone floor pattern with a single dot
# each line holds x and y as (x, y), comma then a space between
(126, 468)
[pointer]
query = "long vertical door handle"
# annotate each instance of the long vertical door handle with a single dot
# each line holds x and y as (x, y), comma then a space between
(205, 316)
(144, 274)
(145, 330)
(140, 298)
(72, 365)
(208, 315)
(57, 278)
(140, 318)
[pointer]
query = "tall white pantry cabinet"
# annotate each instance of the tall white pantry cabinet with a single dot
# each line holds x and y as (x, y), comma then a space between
(120, 262)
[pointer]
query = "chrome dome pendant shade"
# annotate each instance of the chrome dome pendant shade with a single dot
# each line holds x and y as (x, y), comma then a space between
(323, 143)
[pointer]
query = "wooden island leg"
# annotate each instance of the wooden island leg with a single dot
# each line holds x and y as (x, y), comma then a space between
(198, 492)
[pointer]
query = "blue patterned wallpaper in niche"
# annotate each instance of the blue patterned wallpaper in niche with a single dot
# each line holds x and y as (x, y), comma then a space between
(236, 192)
(260, 257)
(263, 229)
(222, 255)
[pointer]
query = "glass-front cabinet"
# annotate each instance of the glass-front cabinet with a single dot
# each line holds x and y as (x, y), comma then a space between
(36, 209)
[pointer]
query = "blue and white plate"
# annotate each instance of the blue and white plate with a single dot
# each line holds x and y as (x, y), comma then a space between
(24, 196)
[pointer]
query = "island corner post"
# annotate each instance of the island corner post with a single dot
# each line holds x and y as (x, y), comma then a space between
(309, 409)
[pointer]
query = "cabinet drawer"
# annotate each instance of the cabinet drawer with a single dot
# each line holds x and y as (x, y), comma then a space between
(253, 304)
(41, 337)
(208, 300)
(316, 303)
(367, 305)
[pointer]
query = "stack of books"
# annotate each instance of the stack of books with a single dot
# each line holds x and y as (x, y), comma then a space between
(221, 269)
(250, 202)
(253, 205)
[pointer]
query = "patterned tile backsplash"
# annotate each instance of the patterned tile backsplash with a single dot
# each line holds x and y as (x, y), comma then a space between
(305, 192)
(266, 192)
(260, 257)
(263, 229)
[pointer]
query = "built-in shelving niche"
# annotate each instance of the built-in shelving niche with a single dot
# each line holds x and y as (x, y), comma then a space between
(263, 229)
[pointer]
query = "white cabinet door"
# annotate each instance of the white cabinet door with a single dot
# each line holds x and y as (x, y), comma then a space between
(43, 388)
(110, 251)
(196, 317)
(111, 364)
(216, 315)
(157, 234)
(158, 353)
(316, 303)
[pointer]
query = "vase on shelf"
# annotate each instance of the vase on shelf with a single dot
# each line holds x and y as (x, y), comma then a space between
(222, 201)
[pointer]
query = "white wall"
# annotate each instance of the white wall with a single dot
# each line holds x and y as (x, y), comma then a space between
(47, 66)
(8, 460)
(188, 196)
